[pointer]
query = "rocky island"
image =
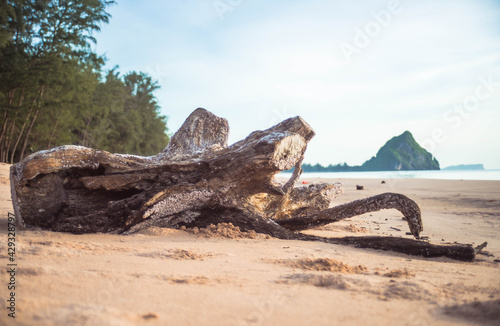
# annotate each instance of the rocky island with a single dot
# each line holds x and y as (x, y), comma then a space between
(400, 153)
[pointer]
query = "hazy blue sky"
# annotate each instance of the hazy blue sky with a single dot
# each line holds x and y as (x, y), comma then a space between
(359, 72)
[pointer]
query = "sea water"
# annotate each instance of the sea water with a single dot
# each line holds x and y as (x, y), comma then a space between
(435, 174)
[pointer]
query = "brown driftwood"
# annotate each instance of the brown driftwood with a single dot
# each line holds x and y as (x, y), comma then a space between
(197, 181)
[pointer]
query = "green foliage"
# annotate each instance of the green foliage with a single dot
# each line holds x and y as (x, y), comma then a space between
(330, 168)
(7, 13)
(53, 90)
(138, 126)
(401, 153)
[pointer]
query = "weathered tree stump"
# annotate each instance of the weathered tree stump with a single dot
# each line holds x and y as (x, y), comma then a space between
(197, 181)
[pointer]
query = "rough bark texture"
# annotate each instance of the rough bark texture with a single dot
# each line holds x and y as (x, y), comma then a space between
(196, 181)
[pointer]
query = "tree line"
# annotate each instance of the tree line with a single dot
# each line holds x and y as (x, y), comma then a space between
(54, 90)
(330, 168)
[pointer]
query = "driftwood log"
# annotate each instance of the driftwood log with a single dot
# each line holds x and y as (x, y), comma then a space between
(198, 180)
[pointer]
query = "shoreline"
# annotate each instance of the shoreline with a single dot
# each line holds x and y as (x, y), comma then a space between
(477, 175)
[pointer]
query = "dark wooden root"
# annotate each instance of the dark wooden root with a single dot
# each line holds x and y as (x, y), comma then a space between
(196, 181)
(403, 245)
(405, 205)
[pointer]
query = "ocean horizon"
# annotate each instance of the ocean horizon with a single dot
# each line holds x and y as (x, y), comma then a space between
(493, 174)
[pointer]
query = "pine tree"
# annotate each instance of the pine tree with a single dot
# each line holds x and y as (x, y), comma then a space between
(52, 89)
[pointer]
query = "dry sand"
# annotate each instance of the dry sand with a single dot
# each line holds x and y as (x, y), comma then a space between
(221, 276)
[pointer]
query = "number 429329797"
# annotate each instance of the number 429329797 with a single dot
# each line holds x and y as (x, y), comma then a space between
(11, 228)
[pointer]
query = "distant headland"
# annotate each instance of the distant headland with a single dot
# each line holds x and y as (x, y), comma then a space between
(465, 167)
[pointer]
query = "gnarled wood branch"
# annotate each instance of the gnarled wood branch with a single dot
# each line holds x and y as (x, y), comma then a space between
(196, 181)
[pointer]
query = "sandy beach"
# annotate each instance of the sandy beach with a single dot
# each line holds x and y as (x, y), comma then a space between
(221, 276)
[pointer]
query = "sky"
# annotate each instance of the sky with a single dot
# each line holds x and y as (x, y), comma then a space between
(359, 72)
